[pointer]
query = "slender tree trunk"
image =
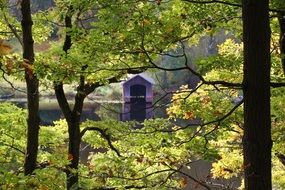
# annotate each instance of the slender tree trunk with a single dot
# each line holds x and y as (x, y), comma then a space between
(73, 120)
(74, 141)
(281, 19)
(72, 117)
(73, 152)
(257, 141)
(32, 89)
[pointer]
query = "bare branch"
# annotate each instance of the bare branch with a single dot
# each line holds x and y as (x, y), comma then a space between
(213, 2)
(13, 147)
(13, 29)
(104, 134)
(217, 123)
(227, 3)
(201, 183)
(281, 158)
(219, 120)
(277, 85)
(145, 176)
(9, 82)
(187, 67)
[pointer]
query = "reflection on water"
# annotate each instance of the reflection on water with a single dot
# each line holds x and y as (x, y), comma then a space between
(137, 110)
(50, 111)
(49, 116)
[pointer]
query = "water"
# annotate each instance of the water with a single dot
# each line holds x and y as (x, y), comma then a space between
(95, 110)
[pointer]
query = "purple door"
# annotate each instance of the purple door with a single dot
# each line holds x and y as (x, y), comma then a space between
(138, 103)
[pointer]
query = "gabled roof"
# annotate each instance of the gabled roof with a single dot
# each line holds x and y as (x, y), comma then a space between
(141, 75)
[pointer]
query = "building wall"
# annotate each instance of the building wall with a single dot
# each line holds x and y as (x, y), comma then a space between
(137, 80)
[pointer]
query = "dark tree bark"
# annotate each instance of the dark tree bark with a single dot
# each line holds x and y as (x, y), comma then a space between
(32, 89)
(73, 121)
(72, 117)
(281, 19)
(257, 141)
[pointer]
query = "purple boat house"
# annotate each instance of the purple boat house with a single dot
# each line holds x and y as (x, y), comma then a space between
(138, 98)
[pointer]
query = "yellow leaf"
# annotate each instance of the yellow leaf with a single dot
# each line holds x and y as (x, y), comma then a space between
(70, 157)
(29, 68)
(146, 22)
(9, 67)
(189, 115)
(4, 48)
(183, 182)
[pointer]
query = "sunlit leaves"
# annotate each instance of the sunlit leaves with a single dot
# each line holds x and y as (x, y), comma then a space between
(278, 135)
(226, 65)
(203, 103)
(109, 37)
(228, 166)
(42, 28)
(145, 154)
(12, 143)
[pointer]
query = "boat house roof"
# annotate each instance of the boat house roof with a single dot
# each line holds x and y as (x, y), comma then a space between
(143, 76)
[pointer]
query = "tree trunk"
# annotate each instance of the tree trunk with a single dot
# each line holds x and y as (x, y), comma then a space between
(73, 154)
(72, 117)
(281, 19)
(257, 141)
(32, 90)
(73, 120)
(74, 141)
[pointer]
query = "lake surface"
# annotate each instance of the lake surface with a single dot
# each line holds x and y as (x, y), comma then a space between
(95, 110)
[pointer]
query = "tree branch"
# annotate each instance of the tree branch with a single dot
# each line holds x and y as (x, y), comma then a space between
(281, 158)
(213, 2)
(9, 82)
(89, 88)
(13, 30)
(62, 101)
(13, 147)
(201, 183)
(187, 67)
(217, 121)
(227, 3)
(277, 84)
(104, 134)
